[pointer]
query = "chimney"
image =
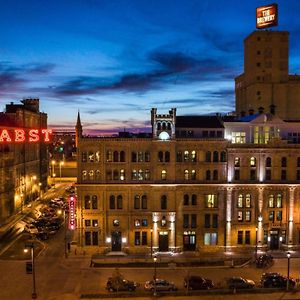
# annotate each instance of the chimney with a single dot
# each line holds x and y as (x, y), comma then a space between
(261, 110)
(272, 109)
(251, 112)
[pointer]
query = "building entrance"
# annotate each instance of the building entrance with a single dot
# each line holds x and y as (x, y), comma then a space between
(189, 241)
(163, 241)
(274, 239)
(116, 241)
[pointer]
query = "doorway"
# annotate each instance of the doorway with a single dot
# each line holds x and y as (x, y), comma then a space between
(163, 241)
(274, 239)
(116, 241)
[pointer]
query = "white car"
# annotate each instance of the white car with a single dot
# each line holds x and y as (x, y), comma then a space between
(30, 228)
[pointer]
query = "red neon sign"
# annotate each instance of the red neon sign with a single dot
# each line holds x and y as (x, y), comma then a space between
(72, 210)
(19, 135)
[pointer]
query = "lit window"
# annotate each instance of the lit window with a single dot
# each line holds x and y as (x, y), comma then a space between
(248, 200)
(116, 222)
(240, 201)
(271, 201)
(253, 162)
(240, 216)
(137, 223)
(163, 174)
(238, 137)
(211, 201)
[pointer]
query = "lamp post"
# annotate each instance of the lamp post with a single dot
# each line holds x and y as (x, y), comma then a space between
(151, 241)
(31, 246)
(288, 271)
(40, 190)
(59, 212)
(61, 163)
(256, 243)
(154, 275)
(54, 175)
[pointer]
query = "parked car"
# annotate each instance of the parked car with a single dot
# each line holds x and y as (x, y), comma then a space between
(240, 283)
(264, 260)
(160, 285)
(197, 283)
(276, 280)
(118, 283)
(42, 235)
(30, 228)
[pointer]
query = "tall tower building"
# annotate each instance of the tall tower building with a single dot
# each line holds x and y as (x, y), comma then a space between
(266, 81)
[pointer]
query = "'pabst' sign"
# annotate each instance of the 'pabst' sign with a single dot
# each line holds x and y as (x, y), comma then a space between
(72, 211)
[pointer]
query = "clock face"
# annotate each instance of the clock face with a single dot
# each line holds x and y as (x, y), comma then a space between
(164, 136)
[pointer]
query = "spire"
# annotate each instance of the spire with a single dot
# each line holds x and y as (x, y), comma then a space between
(78, 123)
(78, 129)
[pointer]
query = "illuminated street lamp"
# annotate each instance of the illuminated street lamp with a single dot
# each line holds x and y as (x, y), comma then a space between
(288, 255)
(31, 247)
(256, 243)
(54, 175)
(154, 275)
(40, 190)
(59, 212)
(61, 163)
(53, 164)
(151, 241)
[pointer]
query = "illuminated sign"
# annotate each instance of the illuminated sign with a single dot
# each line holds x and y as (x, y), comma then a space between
(72, 212)
(266, 16)
(19, 135)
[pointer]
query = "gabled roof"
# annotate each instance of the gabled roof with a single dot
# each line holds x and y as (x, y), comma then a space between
(198, 122)
(267, 118)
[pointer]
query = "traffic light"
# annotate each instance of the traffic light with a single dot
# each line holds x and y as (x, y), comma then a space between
(61, 149)
(28, 267)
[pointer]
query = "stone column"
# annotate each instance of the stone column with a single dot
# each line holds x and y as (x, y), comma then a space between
(228, 217)
(260, 228)
(291, 214)
(172, 230)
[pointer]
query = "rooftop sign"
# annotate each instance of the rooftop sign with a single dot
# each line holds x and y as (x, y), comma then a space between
(266, 16)
(19, 135)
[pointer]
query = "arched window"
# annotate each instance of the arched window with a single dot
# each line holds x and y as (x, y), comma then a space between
(141, 175)
(193, 156)
(158, 126)
(84, 175)
(186, 199)
(283, 162)
(193, 175)
(116, 156)
(223, 156)
(169, 126)
(160, 156)
(215, 156)
(208, 156)
(147, 156)
(163, 174)
(240, 202)
(136, 202)
(144, 202)
(87, 202)
(109, 156)
(268, 162)
(179, 156)
(122, 156)
(134, 175)
(279, 201)
(122, 174)
(83, 156)
(271, 201)
(252, 162)
(163, 202)
(112, 204)
(248, 200)
(94, 202)
(91, 175)
(133, 156)
(215, 175)
(207, 174)
(167, 156)
(194, 199)
(97, 175)
(119, 202)
(164, 127)
(186, 174)
(186, 156)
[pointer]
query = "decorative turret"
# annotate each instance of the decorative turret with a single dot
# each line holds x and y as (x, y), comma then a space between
(163, 125)
(78, 129)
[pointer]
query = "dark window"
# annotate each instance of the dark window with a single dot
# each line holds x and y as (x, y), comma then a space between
(186, 199)
(119, 202)
(167, 156)
(147, 156)
(279, 215)
(208, 175)
(207, 220)
(112, 204)
(240, 237)
(271, 216)
(137, 238)
(133, 156)
(219, 134)
(283, 174)
(185, 221)
(298, 174)
(136, 202)
(268, 162)
(298, 162)
(193, 221)
(215, 175)
(268, 174)
(144, 222)
(212, 134)
(144, 238)
(95, 238)
(88, 240)
(163, 202)
(122, 156)
(87, 202)
(194, 199)
(215, 156)
(208, 156)
(283, 162)
(116, 156)
(236, 174)
(160, 156)
(215, 221)
(223, 156)
(252, 174)
(179, 156)
(144, 202)
(205, 133)
(247, 237)
(94, 202)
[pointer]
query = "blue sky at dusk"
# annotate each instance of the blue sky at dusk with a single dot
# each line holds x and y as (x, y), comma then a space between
(115, 60)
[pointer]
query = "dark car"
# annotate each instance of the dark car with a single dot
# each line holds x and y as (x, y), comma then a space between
(240, 283)
(197, 283)
(276, 280)
(115, 284)
(160, 285)
(264, 260)
(42, 235)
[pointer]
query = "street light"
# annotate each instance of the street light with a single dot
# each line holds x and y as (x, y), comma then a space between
(61, 163)
(288, 271)
(151, 241)
(53, 164)
(154, 275)
(59, 212)
(40, 190)
(54, 179)
(31, 246)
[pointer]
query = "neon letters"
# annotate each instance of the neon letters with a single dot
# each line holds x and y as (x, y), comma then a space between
(19, 135)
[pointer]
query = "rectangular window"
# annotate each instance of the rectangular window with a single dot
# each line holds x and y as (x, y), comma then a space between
(240, 216)
(236, 174)
(279, 215)
(240, 237)
(283, 174)
(144, 222)
(215, 221)
(137, 238)
(298, 174)
(193, 221)
(144, 238)
(95, 238)
(214, 238)
(119, 202)
(207, 220)
(211, 201)
(94, 202)
(268, 174)
(185, 221)
(95, 223)
(252, 174)
(271, 216)
(87, 202)
(238, 137)
(247, 237)
(210, 239)
(144, 202)
(136, 202)
(247, 215)
(87, 223)
(88, 238)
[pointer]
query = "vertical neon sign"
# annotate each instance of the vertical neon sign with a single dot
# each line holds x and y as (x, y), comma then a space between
(72, 210)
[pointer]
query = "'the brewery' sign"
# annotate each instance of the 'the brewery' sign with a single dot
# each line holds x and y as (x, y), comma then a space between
(266, 16)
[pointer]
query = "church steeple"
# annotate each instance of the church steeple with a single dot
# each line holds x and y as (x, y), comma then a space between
(78, 129)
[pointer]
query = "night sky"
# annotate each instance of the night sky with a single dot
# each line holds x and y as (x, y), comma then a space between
(115, 60)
